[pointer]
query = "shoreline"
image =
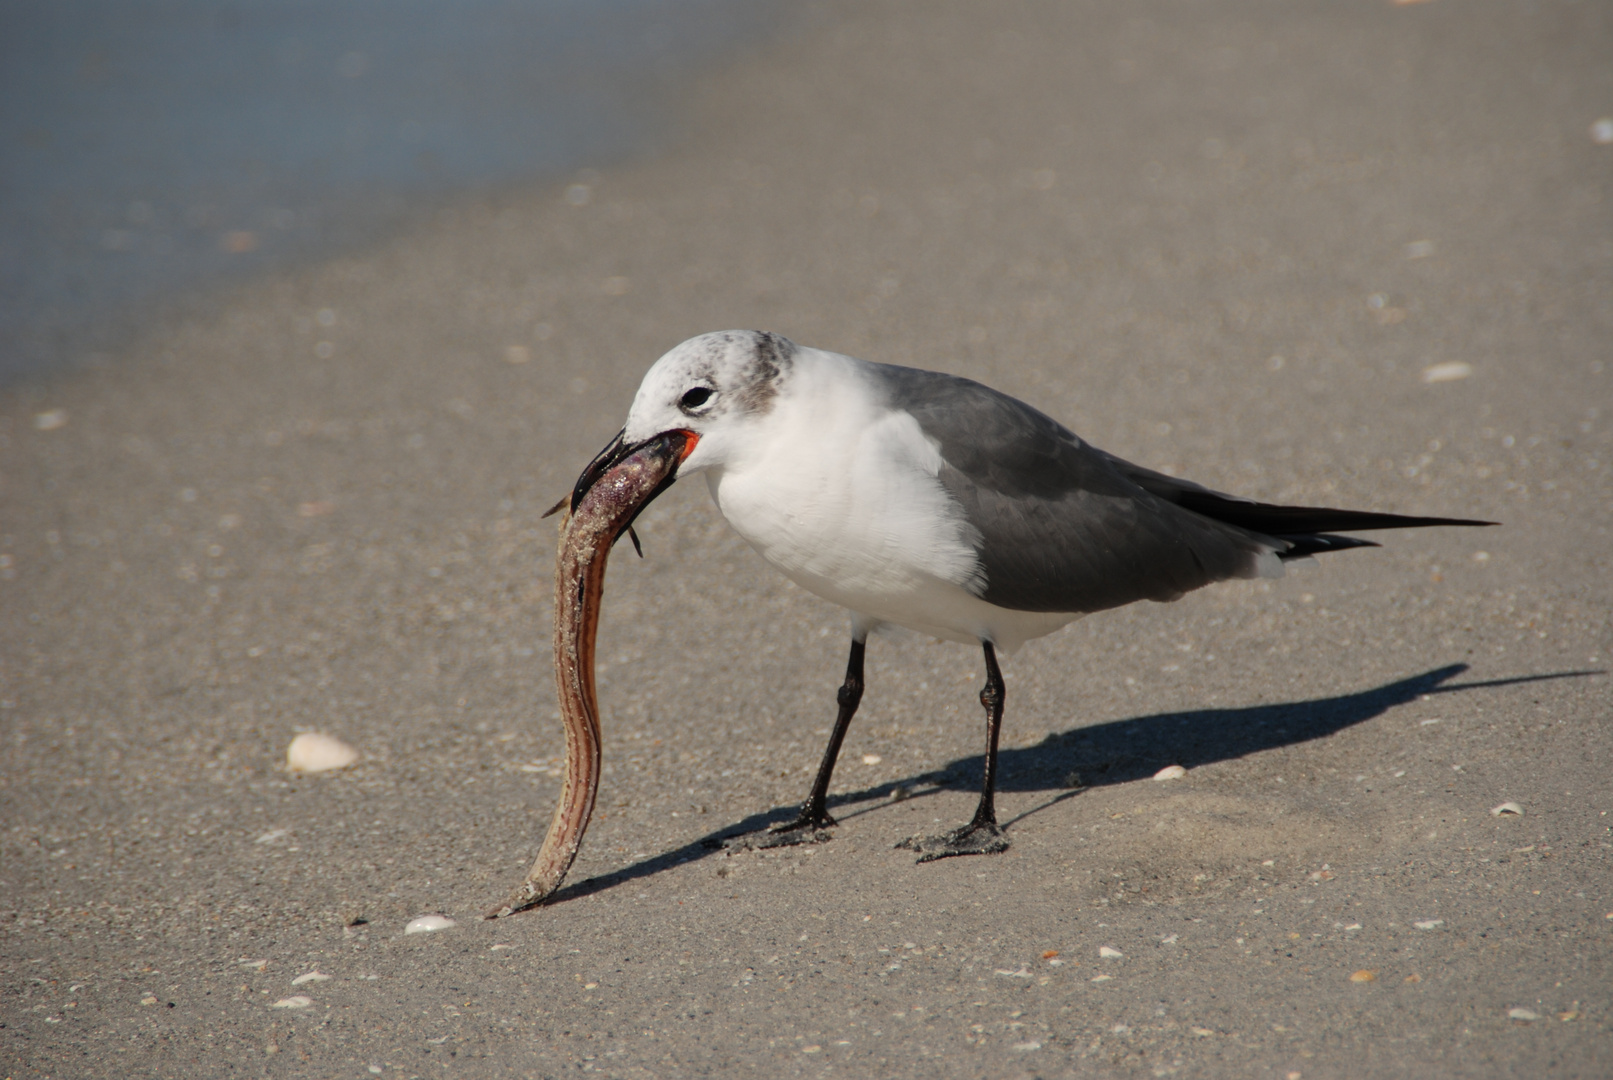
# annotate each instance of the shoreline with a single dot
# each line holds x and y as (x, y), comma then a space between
(158, 154)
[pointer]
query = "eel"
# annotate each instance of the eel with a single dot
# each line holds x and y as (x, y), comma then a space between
(609, 495)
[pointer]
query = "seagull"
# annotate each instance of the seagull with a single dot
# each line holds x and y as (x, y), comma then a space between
(932, 502)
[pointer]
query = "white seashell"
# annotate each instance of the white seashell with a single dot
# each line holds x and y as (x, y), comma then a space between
(313, 752)
(1429, 924)
(1170, 772)
(1507, 809)
(1526, 1015)
(1108, 952)
(312, 976)
(1449, 371)
(425, 924)
(296, 1001)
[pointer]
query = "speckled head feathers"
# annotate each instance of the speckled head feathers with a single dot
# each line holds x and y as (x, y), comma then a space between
(717, 377)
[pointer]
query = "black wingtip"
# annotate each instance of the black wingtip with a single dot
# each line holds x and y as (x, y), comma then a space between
(1293, 522)
(1316, 544)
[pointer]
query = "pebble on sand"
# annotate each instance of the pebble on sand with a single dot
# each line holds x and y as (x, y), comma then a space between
(295, 1001)
(425, 924)
(314, 752)
(308, 977)
(1507, 809)
(1528, 1016)
(1429, 924)
(1170, 772)
(1363, 976)
(1109, 952)
(1449, 371)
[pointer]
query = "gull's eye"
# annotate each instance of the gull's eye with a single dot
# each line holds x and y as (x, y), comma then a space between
(694, 398)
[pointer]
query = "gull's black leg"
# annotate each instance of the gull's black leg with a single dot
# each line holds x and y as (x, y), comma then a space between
(982, 836)
(810, 824)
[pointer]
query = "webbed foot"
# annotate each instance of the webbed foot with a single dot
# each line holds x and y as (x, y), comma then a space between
(975, 838)
(803, 830)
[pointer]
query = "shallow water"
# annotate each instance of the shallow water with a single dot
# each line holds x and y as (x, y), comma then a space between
(150, 149)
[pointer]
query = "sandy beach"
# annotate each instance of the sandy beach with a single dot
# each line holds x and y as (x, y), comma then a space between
(1356, 255)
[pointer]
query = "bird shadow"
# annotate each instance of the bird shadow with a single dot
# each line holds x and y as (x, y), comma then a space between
(1116, 752)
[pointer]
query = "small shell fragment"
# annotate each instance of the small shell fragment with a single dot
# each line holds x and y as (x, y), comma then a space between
(1449, 371)
(1365, 975)
(308, 977)
(872, 759)
(1109, 952)
(1429, 924)
(425, 924)
(1170, 772)
(295, 1001)
(1507, 809)
(312, 752)
(1528, 1016)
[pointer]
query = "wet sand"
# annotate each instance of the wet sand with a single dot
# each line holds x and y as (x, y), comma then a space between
(1316, 253)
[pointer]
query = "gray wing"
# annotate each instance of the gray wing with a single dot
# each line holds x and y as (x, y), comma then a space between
(1063, 525)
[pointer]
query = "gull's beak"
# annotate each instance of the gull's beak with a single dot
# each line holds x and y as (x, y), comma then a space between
(666, 450)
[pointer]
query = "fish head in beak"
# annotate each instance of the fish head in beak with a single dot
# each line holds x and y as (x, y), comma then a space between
(634, 472)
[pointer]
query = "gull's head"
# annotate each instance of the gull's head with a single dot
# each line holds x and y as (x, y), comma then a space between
(712, 387)
(699, 400)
